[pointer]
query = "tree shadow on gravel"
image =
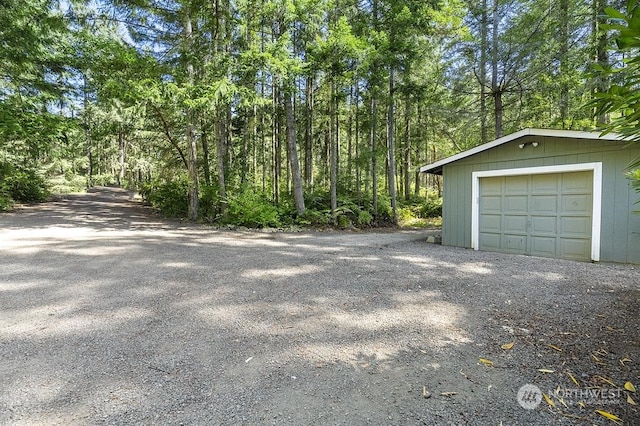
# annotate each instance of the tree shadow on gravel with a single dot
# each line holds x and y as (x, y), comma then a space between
(187, 325)
(101, 208)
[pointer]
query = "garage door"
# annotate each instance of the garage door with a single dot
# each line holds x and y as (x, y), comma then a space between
(542, 214)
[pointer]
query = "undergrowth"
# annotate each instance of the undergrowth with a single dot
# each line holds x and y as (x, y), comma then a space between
(251, 208)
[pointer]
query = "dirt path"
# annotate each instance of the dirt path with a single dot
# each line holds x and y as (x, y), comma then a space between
(110, 315)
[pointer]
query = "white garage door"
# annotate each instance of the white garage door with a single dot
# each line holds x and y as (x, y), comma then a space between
(542, 214)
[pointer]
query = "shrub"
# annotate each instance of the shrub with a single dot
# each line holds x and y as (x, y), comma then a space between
(364, 219)
(103, 180)
(252, 210)
(171, 198)
(22, 184)
(210, 208)
(406, 214)
(430, 208)
(343, 220)
(314, 218)
(6, 202)
(67, 183)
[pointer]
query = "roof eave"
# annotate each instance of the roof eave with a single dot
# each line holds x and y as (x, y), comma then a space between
(436, 167)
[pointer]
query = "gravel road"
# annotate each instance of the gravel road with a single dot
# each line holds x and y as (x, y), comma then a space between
(111, 315)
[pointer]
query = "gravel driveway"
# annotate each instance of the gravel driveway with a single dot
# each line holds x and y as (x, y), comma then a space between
(110, 315)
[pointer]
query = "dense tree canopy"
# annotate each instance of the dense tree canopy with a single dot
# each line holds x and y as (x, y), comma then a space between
(257, 110)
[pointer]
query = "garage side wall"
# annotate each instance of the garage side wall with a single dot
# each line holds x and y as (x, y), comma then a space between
(620, 228)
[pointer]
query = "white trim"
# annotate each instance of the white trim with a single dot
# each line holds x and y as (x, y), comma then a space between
(596, 214)
(525, 132)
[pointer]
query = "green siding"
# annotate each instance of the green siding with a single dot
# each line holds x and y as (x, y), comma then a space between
(620, 228)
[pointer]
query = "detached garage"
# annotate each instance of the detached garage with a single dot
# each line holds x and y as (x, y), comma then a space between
(551, 193)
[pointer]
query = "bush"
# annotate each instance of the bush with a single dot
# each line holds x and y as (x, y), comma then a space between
(430, 208)
(65, 184)
(171, 198)
(6, 202)
(210, 208)
(103, 180)
(314, 218)
(22, 184)
(364, 219)
(252, 209)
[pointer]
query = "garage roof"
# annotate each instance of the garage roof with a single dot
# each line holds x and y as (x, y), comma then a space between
(436, 168)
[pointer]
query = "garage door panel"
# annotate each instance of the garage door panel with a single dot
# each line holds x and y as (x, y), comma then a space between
(577, 182)
(515, 184)
(515, 224)
(579, 248)
(491, 223)
(491, 185)
(544, 204)
(516, 204)
(544, 224)
(577, 225)
(543, 246)
(515, 243)
(544, 184)
(578, 203)
(490, 241)
(491, 204)
(540, 214)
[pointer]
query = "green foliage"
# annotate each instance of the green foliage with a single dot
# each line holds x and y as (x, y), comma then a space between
(430, 208)
(364, 219)
(634, 177)
(622, 99)
(6, 202)
(252, 209)
(168, 197)
(314, 218)
(67, 183)
(421, 213)
(210, 208)
(103, 179)
(21, 184)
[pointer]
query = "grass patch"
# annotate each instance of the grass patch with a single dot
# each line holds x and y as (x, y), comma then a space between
(421, 223)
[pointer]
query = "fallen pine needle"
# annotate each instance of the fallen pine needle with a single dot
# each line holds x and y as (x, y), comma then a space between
(609, 416)
(573, 379)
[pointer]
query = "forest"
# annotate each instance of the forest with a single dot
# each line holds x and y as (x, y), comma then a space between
(314, 112)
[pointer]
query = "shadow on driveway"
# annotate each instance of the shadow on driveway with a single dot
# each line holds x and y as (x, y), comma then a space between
(111, 315)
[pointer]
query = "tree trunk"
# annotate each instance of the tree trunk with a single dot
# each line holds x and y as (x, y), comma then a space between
(308, 133)
(563, 25)
(121, 157)
(277, 145)
(192, 159)
(391, 143)
(205, 158)
(350, 140)
(357, 142)
(483, 72)
(374, 156)
(416, 189)
(407, 149)
(87, 132)
(601, 54)
(496, 90)
(296, 177)
(220, 155)
(333, 152)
